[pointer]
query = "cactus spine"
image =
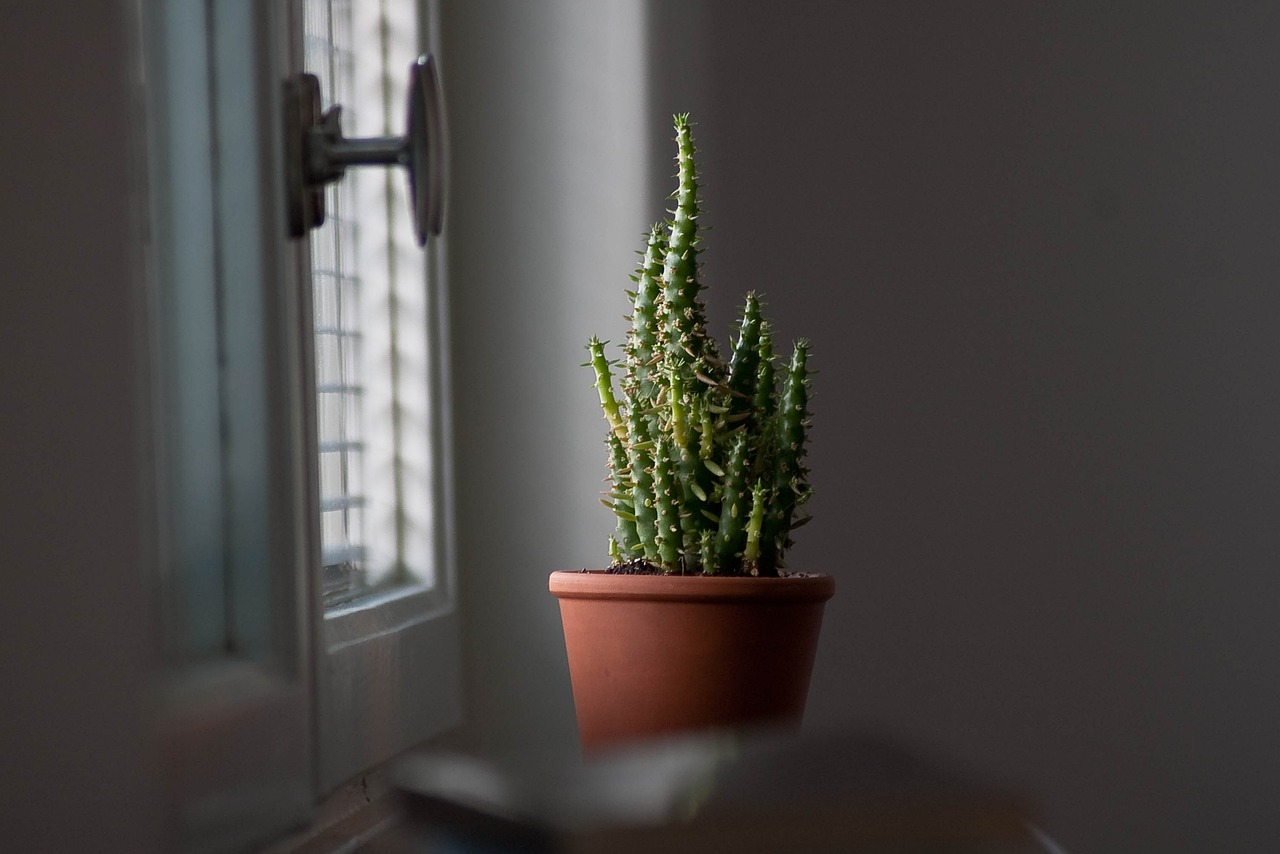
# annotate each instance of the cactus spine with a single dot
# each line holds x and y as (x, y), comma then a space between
(706, 460)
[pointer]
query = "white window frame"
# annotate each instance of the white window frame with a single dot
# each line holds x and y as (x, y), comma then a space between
(251, 742)
(234, 728)
(388, 667)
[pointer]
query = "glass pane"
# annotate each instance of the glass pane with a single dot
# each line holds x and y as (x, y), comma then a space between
(370, 295)
(186, 298)
(210, 274)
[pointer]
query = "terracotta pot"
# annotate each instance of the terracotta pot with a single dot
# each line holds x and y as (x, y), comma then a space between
(656, 654)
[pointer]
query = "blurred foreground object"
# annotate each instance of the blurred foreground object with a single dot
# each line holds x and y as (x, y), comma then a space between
(770, 793)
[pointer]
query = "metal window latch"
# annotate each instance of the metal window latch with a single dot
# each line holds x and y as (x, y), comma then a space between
(316, 152)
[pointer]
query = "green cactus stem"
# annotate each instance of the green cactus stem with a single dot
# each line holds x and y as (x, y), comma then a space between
(763, 403)
(643, 506)
(666, 499)
(744, 366)
(708, 431)
(791, 477)
(626, 537)
(641, 349)
(735, 507)
(692, 472)
(751, 551)
(679, 409)
(688, 345)
(693, 443)
(680, 270)
(761, 421)
(707, 552)
(604, 386)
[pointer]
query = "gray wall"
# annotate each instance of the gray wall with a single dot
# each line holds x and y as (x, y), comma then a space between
(75, 714)
(1035, 246)
(548, 202)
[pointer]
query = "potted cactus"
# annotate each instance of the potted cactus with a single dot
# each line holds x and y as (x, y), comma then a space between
(696, 623)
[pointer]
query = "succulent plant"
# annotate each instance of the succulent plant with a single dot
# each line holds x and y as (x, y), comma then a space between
(706, 459)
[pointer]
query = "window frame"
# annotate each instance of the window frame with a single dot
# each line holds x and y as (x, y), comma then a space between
(235, 729)
(249, 743)
(387, 667)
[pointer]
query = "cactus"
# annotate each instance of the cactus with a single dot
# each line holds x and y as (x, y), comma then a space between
(706, 460)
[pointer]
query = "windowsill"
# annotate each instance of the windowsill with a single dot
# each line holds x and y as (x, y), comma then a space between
(364, 812)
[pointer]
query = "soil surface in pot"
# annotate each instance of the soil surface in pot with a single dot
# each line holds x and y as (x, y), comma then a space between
(640, 566)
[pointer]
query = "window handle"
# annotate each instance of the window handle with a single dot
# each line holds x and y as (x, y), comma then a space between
(317, 153)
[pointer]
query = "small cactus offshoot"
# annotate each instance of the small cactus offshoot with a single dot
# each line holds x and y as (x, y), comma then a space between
(706, 459)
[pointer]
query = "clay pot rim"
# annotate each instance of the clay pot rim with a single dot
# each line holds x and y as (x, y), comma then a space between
(598, 584)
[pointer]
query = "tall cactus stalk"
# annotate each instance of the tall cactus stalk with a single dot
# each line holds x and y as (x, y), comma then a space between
(790, 475)
(642, 382)
(706, 460)
(689, 348)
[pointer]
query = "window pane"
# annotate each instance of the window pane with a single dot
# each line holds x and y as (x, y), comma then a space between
(370, 295)
(187, 300)
(210, 275)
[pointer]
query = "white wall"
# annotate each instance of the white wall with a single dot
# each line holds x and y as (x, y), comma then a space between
(1035, 246)
(548, 203)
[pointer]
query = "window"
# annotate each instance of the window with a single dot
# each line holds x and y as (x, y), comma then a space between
(386, 570)
(230, 481)
(305, 585)
(371, 321)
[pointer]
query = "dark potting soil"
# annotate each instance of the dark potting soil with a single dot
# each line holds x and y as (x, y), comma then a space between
(640, 566)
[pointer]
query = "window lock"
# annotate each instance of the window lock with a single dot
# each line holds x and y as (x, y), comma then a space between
(317, 153)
